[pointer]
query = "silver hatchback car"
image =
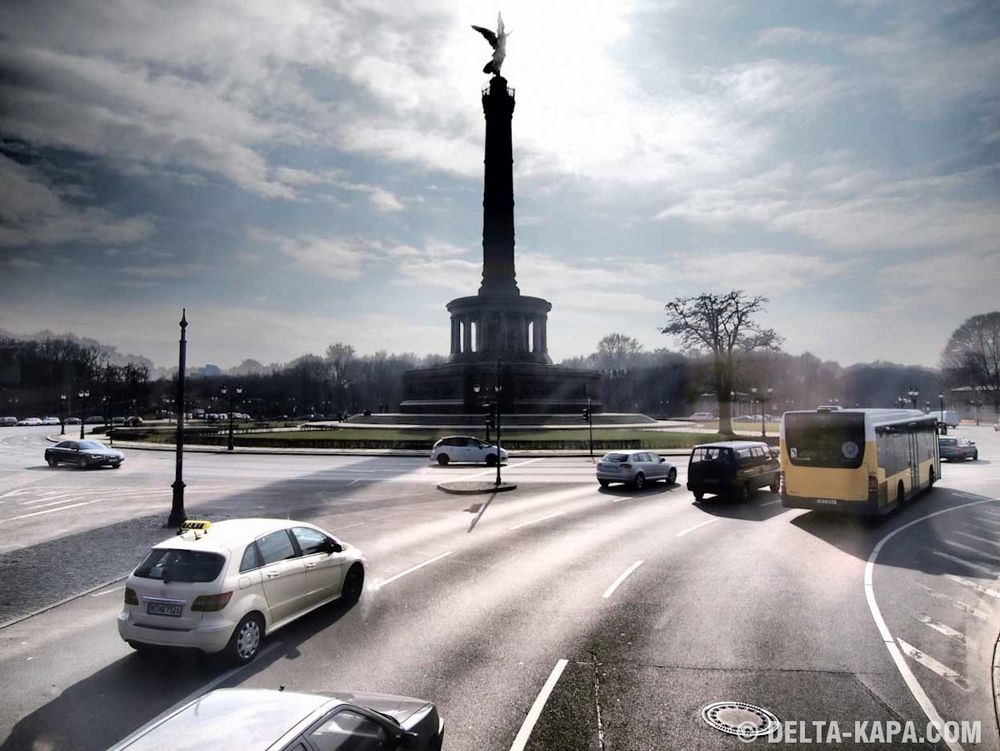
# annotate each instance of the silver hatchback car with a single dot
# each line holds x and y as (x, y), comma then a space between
(634, 468)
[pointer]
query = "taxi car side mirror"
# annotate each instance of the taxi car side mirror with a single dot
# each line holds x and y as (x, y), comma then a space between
(407, 740)
(333, 546)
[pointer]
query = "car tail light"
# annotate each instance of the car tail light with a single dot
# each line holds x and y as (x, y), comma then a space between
(130, 598)
(211, 603)
(626, 465)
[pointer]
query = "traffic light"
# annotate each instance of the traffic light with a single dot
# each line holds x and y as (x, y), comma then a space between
(585, 414)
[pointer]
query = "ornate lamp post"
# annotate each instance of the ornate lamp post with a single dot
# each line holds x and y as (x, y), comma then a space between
(232, 396)
(492, 403)
(83, 394)
(942, 425)
(177, 514)
(763, 428)
(913, 393)
(62, 415)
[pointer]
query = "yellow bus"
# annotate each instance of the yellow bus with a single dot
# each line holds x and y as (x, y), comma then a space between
(860, 461)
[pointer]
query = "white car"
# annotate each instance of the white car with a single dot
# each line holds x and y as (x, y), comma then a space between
(465, 448)
(634, 468)
(29, 421)
(225, 586)
(702, 416)
(50, 421)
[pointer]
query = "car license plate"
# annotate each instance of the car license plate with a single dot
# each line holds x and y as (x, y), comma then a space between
(826, 501)
(172, 609)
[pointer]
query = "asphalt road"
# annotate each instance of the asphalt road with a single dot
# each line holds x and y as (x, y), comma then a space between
(721, 601)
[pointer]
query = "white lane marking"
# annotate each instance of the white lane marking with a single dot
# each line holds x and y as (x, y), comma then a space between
(941, 628)
(698, 526)
(988, 591)
(977, 538)
(493, 470)
(410, 570)
(536, 709)
(108, 591)
(539, 519)
(890, 644)
(348, 526)
(50, 510)
(963, 562)
(981, 520)
(922, 658)
(971, 549)
(965, 495)
(16, 492)
(621, 498)
(770, 503)
(617, 582)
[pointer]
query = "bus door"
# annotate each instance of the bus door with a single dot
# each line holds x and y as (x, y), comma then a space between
(913, 450)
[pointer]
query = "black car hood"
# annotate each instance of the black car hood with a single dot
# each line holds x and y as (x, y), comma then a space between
(400, 708)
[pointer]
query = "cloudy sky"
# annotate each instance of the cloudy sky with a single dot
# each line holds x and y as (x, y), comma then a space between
(301, 172)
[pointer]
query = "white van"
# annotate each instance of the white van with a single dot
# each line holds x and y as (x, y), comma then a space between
(949, 417)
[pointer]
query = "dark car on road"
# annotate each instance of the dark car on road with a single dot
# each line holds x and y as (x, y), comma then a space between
(235, 719)
(83, 454)
(957, 449)
(732, 468)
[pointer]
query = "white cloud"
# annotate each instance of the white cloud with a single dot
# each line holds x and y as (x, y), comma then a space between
(33, 212)
(330, 258)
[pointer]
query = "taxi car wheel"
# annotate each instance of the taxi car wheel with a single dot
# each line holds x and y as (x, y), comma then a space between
(142, 649)
(639, 482)
(775, 485)
(51, 462)
(975, 457)
(672, 477)
(604, 483)
(491, 460)
(354, 585)
(443, 459)
(245, 641)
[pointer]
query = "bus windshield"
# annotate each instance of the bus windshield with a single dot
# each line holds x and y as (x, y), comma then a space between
(825, 439)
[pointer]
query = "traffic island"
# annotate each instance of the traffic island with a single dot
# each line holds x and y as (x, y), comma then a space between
(475, 488)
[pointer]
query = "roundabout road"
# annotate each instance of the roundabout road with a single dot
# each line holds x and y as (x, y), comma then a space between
(566, 617)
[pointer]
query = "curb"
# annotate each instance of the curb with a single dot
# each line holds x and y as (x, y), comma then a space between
(63, 601)
(475, 488)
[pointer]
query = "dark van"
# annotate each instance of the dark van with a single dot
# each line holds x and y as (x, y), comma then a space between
(732, 468)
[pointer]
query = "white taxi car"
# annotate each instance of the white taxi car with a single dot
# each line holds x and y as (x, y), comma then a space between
(224, 586)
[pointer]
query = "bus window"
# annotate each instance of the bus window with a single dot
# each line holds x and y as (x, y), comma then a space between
(826, 439)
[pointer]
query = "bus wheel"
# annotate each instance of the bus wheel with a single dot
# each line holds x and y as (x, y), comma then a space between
(931, 478)
(900, 493)
(698, 497)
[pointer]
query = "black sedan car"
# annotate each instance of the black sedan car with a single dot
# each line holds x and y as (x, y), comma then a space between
(957, 449)
(240, 719)
(83, 454)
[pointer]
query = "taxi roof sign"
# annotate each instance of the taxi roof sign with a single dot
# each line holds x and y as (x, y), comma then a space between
(196, 527)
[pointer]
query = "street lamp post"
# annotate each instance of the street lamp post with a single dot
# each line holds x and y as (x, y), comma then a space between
(232, 397)
(763, 428)
(492, 403)
(943, 426)
(84, 394)
(588, 415)
(913, 393)
(62, 415)
(177, 515)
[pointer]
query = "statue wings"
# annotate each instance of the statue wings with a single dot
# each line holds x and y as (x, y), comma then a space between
(498, 42)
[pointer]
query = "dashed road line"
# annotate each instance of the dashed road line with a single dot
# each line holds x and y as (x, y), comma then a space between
(536, 521)
(521, 740)
(698, 526)
(971, 549)
(977, 538)
(988, 591)
(963, 562)
(941, 628)
(108, 591)
(410, 570)
(617, 582)
(922, 658)
(51, 510)
(887, 638)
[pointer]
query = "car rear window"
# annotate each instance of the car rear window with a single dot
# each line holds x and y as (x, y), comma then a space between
(711, 454)
(825, 439)
(170, 565)
(615, 458)
(947, 442)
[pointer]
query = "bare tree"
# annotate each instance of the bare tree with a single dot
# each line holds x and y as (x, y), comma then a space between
(971, 357)
(724, 326)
